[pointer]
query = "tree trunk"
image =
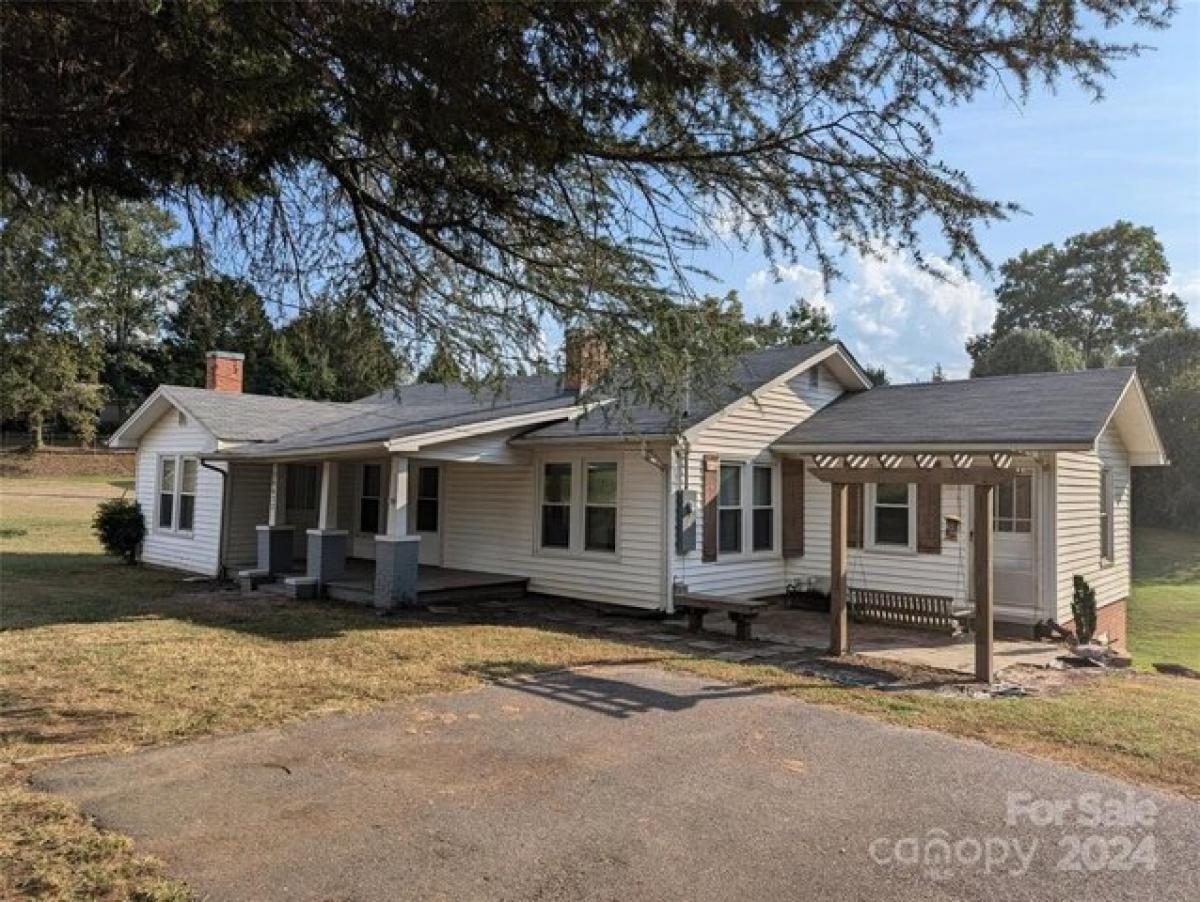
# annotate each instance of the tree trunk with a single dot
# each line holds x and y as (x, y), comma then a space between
(35, 432)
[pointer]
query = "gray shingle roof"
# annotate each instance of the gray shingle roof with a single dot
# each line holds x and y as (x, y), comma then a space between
(750, 372)
(413, 409)
(1044, 409)
(253, 418)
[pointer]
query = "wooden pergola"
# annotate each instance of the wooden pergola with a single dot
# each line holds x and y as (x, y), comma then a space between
(982, 471)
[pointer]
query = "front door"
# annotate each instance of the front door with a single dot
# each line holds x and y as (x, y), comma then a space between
(302, 484)
(1015, 575)
(425, 511)
(369, 511)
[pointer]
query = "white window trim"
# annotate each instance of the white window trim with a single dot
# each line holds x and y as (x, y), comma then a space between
(418, 497)
(869, 511)
(577, 506)
(1107, 517)
(359, 483)
(1014, 519)
(748, 553)
(173, 529)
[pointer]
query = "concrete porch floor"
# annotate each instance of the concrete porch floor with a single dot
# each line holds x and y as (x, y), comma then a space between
(904, 644)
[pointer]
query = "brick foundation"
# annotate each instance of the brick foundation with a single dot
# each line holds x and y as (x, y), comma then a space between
(1110, 619)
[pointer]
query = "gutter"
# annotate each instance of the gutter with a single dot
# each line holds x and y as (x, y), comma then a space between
(932, 447)
(224, 515)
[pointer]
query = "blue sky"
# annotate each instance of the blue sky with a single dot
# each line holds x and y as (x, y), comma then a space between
(1072, 164)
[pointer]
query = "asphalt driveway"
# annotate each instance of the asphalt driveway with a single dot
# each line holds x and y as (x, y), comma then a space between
(622, 783)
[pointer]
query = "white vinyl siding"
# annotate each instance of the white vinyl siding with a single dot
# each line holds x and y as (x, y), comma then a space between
(490, 522)
(195, 551)
(1079, 523)
(743, 436)
(936, 574)
(249, 499)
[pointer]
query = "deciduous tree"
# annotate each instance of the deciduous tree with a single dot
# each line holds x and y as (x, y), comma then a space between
(1027, 351)
(1102, 292)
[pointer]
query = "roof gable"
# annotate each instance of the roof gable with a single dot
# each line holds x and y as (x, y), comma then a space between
(1043, 410)
(752, 374)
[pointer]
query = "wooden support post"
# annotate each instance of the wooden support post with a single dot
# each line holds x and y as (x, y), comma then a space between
(982, 563)
(327, 518)
(275, 513)
(838, 633)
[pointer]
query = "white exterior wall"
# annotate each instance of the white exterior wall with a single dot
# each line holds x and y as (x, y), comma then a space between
(745, 435)
(249, 500)
(490, 522)
(946, 574)
(196, 552)
(1077, 534)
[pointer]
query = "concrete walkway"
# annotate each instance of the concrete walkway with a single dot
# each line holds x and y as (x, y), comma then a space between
(630, 783)
(918, 648)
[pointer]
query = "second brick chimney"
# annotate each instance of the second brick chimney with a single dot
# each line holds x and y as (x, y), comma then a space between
(223, 371)
(586, 359)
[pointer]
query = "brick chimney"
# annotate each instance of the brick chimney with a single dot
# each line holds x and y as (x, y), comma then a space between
(586, 359)
(223, 371)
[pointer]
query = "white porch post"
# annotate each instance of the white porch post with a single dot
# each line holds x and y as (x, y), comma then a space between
(275, 513)
(327, 543)
(397, 552)
(275, 536)
(327, 518)
(397, 512)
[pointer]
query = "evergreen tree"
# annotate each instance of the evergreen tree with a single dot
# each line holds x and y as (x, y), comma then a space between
(336, 350)
(477, 168)
(219, 313)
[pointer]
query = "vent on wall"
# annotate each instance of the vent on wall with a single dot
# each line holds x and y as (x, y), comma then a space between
(182, 418)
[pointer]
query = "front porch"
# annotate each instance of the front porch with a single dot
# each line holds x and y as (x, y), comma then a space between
(435, 585)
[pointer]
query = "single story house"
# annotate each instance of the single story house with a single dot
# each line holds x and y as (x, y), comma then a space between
(803, 473)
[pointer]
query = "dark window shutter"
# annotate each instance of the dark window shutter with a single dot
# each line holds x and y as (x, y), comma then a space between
(854, 515)
(712, 478)
(929, 519)
(793, 507)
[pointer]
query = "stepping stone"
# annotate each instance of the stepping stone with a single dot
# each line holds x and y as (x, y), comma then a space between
(664, 637)
(736, 657)
(765, 653)
(705, 645)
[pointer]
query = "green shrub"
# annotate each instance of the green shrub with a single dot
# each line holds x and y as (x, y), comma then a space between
(120, 526)
(1083, 610)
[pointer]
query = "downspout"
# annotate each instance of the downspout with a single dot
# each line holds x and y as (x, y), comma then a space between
(222, 530)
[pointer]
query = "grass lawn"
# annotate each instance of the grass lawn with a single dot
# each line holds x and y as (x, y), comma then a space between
(96, 657)
(1164, 614)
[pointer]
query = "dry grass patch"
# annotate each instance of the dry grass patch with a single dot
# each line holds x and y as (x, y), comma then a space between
(96, 657)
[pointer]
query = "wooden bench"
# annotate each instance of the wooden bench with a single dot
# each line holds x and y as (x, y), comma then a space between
(741, 611)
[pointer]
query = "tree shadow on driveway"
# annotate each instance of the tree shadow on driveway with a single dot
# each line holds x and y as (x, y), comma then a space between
(602, 695)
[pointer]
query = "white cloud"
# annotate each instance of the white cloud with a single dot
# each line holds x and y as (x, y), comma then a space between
(889, 311)
(767, 290)
(1188, 289)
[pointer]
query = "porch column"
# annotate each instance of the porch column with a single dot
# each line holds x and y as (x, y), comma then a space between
(275, 536)
(397, 552)
(839, 640)
(327, 543)
(982, 562)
